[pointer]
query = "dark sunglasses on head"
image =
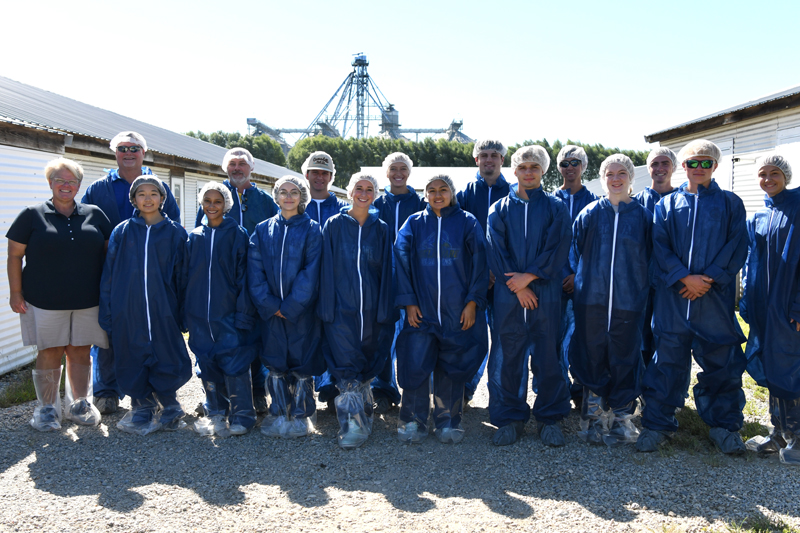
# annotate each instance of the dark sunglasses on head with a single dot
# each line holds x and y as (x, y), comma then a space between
(565, 164)
(693, 163)
(126, 149)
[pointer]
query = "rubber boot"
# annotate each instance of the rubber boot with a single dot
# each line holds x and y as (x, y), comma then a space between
(240, 394)
(47, 414)
(78, 395)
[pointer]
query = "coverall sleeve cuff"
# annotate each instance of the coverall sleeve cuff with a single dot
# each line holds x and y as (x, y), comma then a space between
(794, 313)
(718, 275)
(675, 276)
(539, 274)
(404, 300)
(243, 321)
(480, 303)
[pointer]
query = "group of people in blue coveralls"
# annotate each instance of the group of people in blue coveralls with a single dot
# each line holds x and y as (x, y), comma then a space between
(426, 281)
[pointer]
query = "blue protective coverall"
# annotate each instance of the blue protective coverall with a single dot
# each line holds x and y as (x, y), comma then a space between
(254, 207)
(142, 296)
(283, 270)
(575, 204)
(320, 212)
(219, 314)
(610, 257)
(771, 300)
(649, 198)
(704, 234)
(258, 207)
(528, 236)
(355, 301)
(476, 198)
(394, 209)
(101, 193)
(441, 266)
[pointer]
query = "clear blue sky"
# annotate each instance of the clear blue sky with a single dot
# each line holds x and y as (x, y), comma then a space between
(595, 72)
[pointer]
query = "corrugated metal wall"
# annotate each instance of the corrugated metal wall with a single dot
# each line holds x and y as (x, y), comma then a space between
(24, 184)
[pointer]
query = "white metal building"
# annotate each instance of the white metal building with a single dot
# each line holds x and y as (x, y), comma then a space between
(746, 134)
(37, 126)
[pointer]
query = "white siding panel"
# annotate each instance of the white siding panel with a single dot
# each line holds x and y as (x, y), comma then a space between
(24, 184)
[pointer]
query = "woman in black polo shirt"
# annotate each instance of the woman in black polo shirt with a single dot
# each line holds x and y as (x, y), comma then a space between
(57, 293)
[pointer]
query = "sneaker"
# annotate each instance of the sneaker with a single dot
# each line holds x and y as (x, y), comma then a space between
(107, 406)
(260, 404)
(237, 429)
(355, 436)
(272, 426)
(450, 435)
(295, 428)
(410, 433)
(82, 412)
(45, 418)
(382, 405)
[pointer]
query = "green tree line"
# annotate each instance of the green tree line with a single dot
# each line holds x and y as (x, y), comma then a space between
(350, 155)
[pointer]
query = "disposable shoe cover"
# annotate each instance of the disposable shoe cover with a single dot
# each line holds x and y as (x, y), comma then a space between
(82, 412)
(729, 442)
(450, 435)
(551, 435)
(411, 432)
(508, 434)
(649, 440)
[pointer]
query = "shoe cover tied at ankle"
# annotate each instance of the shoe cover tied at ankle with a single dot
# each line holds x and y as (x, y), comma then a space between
(143, 417)
(594, 418)
(450, 435)
(621, 430)
(412, 432)
(78, 396)
(355, 422)
(47, 413)
(280, 400)
(790, 455)
(213, 425)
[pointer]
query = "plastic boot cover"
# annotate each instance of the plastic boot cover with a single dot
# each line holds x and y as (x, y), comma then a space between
(47, 414)
(411, 432)
(649, 440)
(171, 415)
(508, 434)
(594, 418)
(551, 435)
(354, 424)
(369, 402)
(78, 395)
(790, 455)
(448, 403)
(216, 403)
(142, 419)
(303, 409)
(240, 395)
(621, 431)
(210, 425)
(766, 445)
(727, 441)
(278, 412)
(450, 435)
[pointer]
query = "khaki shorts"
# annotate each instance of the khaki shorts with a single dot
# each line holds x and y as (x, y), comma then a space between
(49, 329)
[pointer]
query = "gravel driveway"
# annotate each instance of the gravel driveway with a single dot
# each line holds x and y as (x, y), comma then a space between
(100, 479)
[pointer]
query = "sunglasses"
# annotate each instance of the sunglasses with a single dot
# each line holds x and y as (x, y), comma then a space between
(126, 149)
(244, 202)
(694, 163)
(565, 164)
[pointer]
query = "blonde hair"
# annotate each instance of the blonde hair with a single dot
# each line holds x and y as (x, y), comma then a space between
(61, 163)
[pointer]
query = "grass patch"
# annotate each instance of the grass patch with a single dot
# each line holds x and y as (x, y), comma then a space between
(753, 429)
(692, 434)
(21, 389)
(759, 524)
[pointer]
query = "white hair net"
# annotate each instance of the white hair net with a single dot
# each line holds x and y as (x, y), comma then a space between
(531, 154)
(300, 183)
(319, 160)
(699, 147)
(489, 145)
(220, 188)
(397, 157)
(127, 137)
(779, 161)
(361, 176)
(238, 153)
(571, 151)
(663, 150)
(620, 159)
(449, 182)
(152, 179)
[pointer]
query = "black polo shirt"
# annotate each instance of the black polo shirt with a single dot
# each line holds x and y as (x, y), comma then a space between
(63, 256)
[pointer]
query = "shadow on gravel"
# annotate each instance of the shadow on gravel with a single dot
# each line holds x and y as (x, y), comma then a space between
(125, 471)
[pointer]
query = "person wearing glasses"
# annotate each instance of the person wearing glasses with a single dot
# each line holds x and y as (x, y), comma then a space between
(699, 245)
(319, 170)
(111, 194)
(661, 163)
(771, 305)
(572, 162)
(477, 198)
(57, 292)
(611, 246)
(283, 277)
(251, 206)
